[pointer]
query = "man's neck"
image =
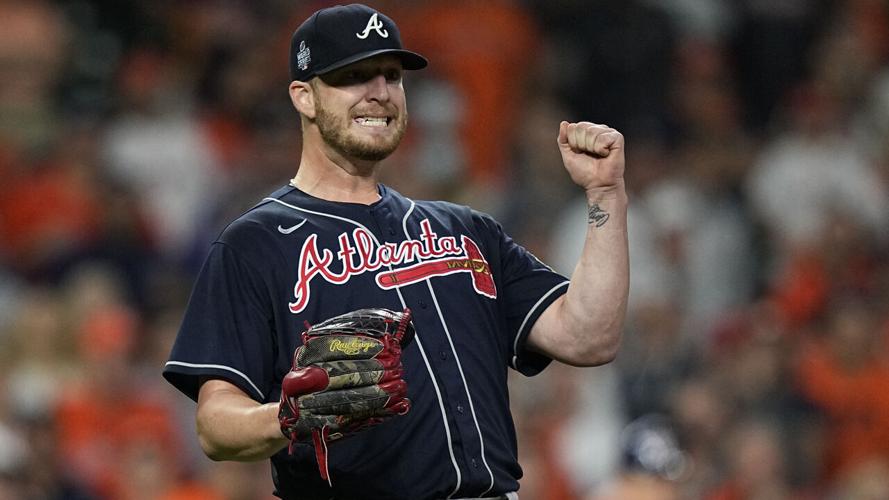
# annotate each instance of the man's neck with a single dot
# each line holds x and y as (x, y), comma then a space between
(336, 179)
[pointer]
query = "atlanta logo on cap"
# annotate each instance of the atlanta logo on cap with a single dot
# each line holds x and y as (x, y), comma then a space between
(373, 24)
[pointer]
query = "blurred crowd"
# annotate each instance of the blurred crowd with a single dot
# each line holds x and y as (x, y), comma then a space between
(758, 168)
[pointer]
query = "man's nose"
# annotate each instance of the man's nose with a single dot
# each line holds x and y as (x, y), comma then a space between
(378, 88)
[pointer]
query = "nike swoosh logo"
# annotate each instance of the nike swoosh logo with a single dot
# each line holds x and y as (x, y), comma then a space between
(291, 229)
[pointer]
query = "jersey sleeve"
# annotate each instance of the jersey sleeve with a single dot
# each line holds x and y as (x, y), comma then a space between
(528, 287)
(226, 330)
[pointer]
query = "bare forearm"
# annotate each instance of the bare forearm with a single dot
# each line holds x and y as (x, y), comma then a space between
(231, 426)
(583, 327)
(595, 304)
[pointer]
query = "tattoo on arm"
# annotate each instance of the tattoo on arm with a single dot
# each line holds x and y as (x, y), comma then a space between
(597, 215)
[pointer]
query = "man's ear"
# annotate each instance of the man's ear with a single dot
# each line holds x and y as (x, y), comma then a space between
(302, 95)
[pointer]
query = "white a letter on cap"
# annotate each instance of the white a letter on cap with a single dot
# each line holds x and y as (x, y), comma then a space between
(373, 24)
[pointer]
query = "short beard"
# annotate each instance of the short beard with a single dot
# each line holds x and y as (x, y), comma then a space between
(334, 132)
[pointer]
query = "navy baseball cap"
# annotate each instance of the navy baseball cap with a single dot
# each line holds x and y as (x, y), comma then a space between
(337, 36)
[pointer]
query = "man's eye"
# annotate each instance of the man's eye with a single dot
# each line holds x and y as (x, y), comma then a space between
(393, 75)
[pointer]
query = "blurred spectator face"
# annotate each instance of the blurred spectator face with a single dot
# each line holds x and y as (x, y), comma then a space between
(658, 325)
(535, 135)
(31, 52)
(39, 327)
(755, 457)
(641, 487)
(814, 109)
(650, 159)
(144, 77)
(755, 369)
(868, 481)
(853, 334)
(700, 413)
(38, 352)
(244, 82)
(108, 334)
(710, 106)
(31, 49)
(91, 287)
(106, 327)
(854, 49)
(149, 468)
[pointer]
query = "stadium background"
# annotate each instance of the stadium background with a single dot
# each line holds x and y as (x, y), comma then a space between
(758, 169)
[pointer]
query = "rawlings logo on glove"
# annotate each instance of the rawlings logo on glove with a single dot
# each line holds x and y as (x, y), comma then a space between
(346, 376)
(352, 346)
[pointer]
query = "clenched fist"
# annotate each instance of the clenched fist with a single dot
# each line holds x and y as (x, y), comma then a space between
(593, 154)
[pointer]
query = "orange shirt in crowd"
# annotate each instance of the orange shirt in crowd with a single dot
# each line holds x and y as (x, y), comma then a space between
(486, 49)
(92, 431)
(855, 402)
(51, 206)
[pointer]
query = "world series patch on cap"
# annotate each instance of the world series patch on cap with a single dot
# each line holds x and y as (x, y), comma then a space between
(338, 36)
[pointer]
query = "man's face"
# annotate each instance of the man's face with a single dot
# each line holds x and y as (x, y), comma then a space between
(360, 109)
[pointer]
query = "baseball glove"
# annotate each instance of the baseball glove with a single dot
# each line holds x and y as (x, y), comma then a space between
(346, 376)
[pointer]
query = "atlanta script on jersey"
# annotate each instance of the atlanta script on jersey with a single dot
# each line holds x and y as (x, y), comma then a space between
(474, 295)
(359, 252)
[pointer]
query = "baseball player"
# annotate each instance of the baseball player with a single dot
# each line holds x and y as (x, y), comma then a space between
(368, 413)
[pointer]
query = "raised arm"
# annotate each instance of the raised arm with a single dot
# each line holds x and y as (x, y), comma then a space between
(232, 426)
(583, 327)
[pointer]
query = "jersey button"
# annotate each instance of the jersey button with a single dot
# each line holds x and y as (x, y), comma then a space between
(443, 355)
(460, 410)
(475, 463)
(422, 304)
(391, 231)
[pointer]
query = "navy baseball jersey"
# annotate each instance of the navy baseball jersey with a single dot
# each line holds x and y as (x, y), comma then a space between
(474, 294)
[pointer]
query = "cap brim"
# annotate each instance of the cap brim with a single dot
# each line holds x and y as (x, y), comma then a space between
(409, 60)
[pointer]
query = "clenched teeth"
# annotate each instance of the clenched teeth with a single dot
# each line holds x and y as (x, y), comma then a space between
(372, 121)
